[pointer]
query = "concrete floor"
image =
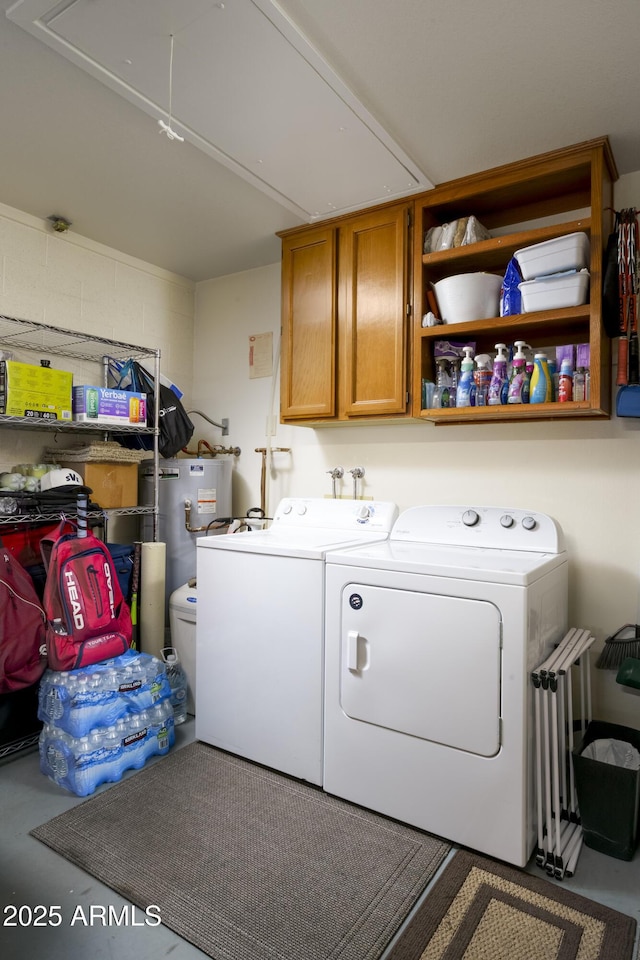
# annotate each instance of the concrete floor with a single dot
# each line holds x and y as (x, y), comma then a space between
(31, 874)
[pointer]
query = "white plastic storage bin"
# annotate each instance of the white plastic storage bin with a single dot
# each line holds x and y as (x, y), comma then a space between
(570, 252)
(182, 621)
(552, 293)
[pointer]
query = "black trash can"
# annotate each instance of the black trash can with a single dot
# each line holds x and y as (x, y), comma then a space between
(608, 795)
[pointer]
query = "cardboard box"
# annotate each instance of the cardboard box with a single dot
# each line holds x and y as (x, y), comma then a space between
(109, 405)
(113, 484)
(29, 390)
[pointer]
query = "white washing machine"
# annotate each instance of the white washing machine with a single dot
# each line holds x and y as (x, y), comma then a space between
(260, 630)
(430, 641)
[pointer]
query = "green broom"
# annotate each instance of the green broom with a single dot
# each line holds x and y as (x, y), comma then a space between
(624, 643)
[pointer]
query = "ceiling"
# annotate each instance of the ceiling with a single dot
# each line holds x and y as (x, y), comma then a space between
(292, 111)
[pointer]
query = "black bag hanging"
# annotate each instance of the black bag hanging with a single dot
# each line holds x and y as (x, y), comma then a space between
(176, 429)
(610, 284)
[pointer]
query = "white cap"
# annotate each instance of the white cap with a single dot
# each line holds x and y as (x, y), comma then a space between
(61, 478)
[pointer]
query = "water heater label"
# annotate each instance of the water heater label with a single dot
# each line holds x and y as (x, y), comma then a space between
(207, 500)
(196, 469)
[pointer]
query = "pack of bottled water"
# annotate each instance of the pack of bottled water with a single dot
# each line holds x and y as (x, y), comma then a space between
(102, 720)
(76, 701)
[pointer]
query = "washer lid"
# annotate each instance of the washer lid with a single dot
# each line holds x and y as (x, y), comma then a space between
(308, 527)
(310, 544)
(520, 567)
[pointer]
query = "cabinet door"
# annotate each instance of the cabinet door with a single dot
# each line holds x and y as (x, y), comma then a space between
(373, 274)
(308, 386)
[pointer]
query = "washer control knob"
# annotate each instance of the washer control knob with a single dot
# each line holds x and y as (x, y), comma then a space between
(506, 520)
(287, 508)
(470, 518)
(302, 510)
(529, 523)
(364, 513)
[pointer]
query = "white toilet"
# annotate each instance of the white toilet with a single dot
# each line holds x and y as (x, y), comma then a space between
(182, 623)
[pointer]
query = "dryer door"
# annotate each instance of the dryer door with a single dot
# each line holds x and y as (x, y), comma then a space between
(422, 664)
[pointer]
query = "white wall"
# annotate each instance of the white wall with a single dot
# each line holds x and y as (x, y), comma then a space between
(584, 474)
(71, 282)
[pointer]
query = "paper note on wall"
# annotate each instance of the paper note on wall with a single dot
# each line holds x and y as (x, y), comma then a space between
(260, 355)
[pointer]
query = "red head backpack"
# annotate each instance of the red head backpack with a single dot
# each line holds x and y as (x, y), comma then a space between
(87, 617)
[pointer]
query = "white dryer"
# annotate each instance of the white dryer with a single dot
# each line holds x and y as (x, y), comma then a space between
(260, 630)
(431, 638)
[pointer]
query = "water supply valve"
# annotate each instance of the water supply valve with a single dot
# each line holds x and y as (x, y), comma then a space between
(357, 473)
(336, 474)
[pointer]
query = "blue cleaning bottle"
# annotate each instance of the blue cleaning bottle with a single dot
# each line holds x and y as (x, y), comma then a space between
(497, 391)
(466, 393)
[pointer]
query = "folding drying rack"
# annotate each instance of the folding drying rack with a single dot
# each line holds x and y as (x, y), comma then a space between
(558, 816)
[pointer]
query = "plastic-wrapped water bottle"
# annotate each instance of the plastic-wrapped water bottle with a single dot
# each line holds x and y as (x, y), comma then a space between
(178, 682)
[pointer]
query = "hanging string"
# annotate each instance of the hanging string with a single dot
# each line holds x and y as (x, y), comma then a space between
(166, 127)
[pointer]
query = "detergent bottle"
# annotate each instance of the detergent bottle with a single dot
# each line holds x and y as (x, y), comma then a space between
(499, 382)
(541, 384)
(482, 379)
(443, 382)
(518, 384)
(466, 387)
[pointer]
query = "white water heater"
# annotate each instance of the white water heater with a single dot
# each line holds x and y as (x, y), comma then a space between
(207, 485)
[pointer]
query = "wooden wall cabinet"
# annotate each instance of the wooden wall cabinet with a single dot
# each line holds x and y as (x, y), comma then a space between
(352, 342)
(345, 318)
(521, 203)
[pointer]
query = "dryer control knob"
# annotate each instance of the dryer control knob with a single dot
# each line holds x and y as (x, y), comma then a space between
(506, 520)
(470, 518)
(529, 523)
(302, 510)
(287, 508)
(364, 513)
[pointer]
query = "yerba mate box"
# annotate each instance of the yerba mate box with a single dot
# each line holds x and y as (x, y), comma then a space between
(109, 405)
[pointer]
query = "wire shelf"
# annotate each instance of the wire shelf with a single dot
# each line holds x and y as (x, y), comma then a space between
(29, 335)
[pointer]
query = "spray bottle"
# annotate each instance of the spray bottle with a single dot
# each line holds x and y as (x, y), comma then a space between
(499, 382)
(565, 382)
(519, 381)
(455, 377)
(443, 382)
(466, 386)
(483, 379)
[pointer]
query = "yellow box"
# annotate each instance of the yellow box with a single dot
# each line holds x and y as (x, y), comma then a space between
(113, 484)
(28, 390)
